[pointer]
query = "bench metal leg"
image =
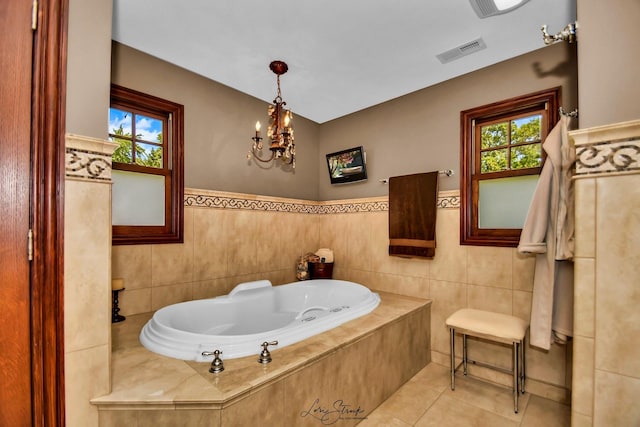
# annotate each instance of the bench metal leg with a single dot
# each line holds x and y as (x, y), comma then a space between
(516, 377)
(464, 353)
(452, 348)
(523, 372)
(518, 370)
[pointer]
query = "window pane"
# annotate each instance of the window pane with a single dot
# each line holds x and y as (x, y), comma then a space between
(148, 155)
(148, 128)
(493, 161)
(122, 154)
(138, 199)
(494, 135)
(504, 202)
(120, 133)
(526, 129)
(120, 122)
(526, 156)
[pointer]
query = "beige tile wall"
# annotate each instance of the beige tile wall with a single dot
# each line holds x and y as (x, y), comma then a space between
(87, 277)
(606, 317)
(225, 246)
(489, 278)
(222, 247)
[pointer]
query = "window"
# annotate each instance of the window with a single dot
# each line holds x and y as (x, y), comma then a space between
(148, 182)
(501, 159)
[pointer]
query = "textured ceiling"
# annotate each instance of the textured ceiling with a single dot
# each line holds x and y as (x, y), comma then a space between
(343, 55)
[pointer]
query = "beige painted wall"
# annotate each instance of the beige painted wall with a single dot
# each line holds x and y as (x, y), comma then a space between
(219, 124)
(415, 133)
(420, 132)
(88, 60)
(608, 35)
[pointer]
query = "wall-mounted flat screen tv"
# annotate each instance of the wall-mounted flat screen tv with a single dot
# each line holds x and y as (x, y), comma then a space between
(347, 166)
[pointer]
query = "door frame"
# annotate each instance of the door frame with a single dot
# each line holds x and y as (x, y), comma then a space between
(47, 212)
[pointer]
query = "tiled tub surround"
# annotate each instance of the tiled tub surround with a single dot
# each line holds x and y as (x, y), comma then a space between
(360, 363)
(606, 378)
(233, 238)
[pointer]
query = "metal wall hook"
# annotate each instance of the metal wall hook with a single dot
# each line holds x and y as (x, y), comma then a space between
(573, 113)
(265, 355)
(568, 34)
(217, 364)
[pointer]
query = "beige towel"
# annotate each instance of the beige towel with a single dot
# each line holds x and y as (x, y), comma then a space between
(548, 232)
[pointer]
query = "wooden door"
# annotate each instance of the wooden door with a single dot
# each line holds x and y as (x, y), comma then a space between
(33, 70)
(16, 41)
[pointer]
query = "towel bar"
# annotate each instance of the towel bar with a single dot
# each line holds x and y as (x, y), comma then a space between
(447, 172)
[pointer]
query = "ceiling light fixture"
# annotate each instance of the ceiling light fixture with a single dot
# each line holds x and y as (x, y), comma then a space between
(486, 8)
(280, 131)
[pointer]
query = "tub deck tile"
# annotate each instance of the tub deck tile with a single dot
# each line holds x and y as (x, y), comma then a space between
(141, 378)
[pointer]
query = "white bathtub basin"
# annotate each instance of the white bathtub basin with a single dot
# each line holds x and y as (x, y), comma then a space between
(252, 313)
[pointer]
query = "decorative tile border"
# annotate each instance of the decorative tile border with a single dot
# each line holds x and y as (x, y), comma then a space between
(222, 200)
(608, 157)
(449, 200)
(87, 165)
(607, 150)
(88, 158)
(355, 206)
(248, 203)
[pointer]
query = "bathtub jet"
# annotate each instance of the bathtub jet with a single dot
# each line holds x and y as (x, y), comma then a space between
(254, 312)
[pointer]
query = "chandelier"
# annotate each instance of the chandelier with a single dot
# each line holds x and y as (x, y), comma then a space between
(279, 132)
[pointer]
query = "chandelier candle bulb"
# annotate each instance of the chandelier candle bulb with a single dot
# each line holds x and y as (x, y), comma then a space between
(258, 129)
(117, 284)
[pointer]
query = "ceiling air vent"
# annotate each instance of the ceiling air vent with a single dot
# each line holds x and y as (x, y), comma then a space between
(462, 50)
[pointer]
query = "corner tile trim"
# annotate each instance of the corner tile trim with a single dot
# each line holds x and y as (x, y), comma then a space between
(608, 157)
(222, 200)
(607, 150)
(87, 165)
(88, 158)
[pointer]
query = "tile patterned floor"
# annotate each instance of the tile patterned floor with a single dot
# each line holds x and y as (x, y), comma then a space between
(427, 400)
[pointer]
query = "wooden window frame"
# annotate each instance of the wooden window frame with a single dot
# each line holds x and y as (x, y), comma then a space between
(173, 168)
(470, 233)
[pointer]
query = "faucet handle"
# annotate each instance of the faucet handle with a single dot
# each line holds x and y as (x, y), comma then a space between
(265, 355)
(216, 365)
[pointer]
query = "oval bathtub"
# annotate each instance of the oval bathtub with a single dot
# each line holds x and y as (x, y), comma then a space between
(254, 312)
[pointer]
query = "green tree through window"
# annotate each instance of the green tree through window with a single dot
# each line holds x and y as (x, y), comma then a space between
(511, 145)
(139, 150)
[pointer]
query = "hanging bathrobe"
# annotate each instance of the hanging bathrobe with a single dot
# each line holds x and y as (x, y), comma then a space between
(548, 232)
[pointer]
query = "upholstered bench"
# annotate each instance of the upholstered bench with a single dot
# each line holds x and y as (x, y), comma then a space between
(497, 327)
